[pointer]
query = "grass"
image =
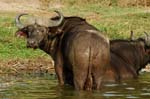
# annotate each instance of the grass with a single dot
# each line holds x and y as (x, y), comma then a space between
(120, 26)
(116, 22)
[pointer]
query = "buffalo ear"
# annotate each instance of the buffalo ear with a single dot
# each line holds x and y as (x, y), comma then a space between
(59, 31)
(54, 32)
(21, 34)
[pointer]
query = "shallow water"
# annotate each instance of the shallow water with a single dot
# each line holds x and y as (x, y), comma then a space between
(45, 87)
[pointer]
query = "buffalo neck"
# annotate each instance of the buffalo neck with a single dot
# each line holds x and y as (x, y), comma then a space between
(49, 46)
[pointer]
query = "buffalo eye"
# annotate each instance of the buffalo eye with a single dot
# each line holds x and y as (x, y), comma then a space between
(42, 29)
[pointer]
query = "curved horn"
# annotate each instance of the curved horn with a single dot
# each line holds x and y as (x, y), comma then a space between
(147, 39)
(146, 34)
(131, 36)
(18, 22)
(53, 23)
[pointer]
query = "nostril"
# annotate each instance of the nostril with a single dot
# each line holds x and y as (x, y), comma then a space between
(30, 42)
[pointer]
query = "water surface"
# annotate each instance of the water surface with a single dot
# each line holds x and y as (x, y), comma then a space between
(45, 87)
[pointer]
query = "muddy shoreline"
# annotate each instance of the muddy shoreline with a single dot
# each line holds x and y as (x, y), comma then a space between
(27, 66)
(39, 65)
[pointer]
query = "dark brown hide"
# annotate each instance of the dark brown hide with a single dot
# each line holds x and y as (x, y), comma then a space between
(84, 52)
(127, 59)
(81, 52)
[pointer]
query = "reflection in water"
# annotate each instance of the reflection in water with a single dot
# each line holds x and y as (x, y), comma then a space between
(45, 87)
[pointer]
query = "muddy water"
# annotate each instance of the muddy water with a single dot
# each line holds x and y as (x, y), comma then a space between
(45, 87)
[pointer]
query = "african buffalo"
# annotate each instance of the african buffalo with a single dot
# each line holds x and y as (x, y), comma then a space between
(81, 52)
(128, 57)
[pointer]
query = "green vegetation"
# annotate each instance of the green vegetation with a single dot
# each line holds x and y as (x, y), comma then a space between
(116, 22)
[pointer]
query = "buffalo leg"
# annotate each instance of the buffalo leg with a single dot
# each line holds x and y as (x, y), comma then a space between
(89, 83)
(59, 73)
(98, 73)
(98, 82)
(79, 80)
(59, 68)
(68, 75)
(80, 76)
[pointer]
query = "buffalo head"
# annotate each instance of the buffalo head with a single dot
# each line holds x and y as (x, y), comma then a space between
(37, 31)
(145, 38)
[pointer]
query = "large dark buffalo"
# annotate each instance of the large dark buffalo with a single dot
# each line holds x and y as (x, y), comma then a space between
(128, 57)
(81, 52)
